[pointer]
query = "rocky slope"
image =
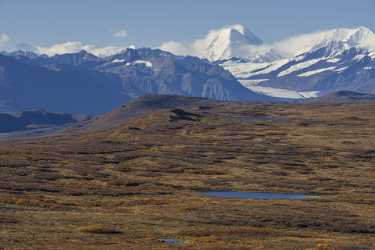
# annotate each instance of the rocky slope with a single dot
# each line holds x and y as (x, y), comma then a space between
(147, 71)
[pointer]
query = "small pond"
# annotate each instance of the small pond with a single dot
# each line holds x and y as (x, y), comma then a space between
(172, 241)
(258, 195)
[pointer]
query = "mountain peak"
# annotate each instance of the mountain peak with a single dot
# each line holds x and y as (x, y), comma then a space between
(244, 32)
(336, 41)
(360, 37)
(239, 27)
(225, 42)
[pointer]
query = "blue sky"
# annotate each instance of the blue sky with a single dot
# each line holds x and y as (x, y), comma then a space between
(151, 22)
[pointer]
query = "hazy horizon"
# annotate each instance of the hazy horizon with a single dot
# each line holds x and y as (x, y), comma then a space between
(149, 24)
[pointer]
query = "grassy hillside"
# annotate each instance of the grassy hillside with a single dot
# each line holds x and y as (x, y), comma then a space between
(135, 184)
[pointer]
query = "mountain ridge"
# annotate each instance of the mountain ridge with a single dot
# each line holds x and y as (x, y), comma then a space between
(332, 60)
(83, 83)
(300, 67)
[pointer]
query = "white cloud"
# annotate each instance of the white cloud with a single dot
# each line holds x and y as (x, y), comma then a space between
(76, 46)
(107, 51)
(179, 48)
(120, 34)
(25, 47)
(4, 38)
(62, 48)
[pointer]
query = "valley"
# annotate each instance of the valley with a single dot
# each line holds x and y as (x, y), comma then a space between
(133, 178)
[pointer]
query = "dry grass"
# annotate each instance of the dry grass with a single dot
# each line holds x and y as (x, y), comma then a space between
(100, 229)
(127, 188)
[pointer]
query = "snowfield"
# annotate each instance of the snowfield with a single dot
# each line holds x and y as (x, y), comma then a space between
(118, 61)
(298, 67)
(246, 70)
(314, 72)
(283, 93)
(148, 64)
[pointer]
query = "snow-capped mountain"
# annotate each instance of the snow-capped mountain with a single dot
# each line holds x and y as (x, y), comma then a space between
(227, 42)
(338, 40)
(310, 65)
(219, 44)
(300, 67)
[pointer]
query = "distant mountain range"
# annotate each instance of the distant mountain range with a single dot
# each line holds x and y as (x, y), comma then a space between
(32, 120)
(300, 67)
(231, 63)
(83, 83)
(329, 66)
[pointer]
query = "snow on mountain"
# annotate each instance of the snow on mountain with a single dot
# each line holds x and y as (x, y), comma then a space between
(148, 64)
(118, 61)
(74, 47)
(254, 85)
(317, 71)
(149, 71)
(337, 39)
(352, 69)
(219, 44)
(244, 70)
(298, 66)
(284, 93)
(50, 81)
(316, 63)
(226, 42)
(238, 41)
(342, 69)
